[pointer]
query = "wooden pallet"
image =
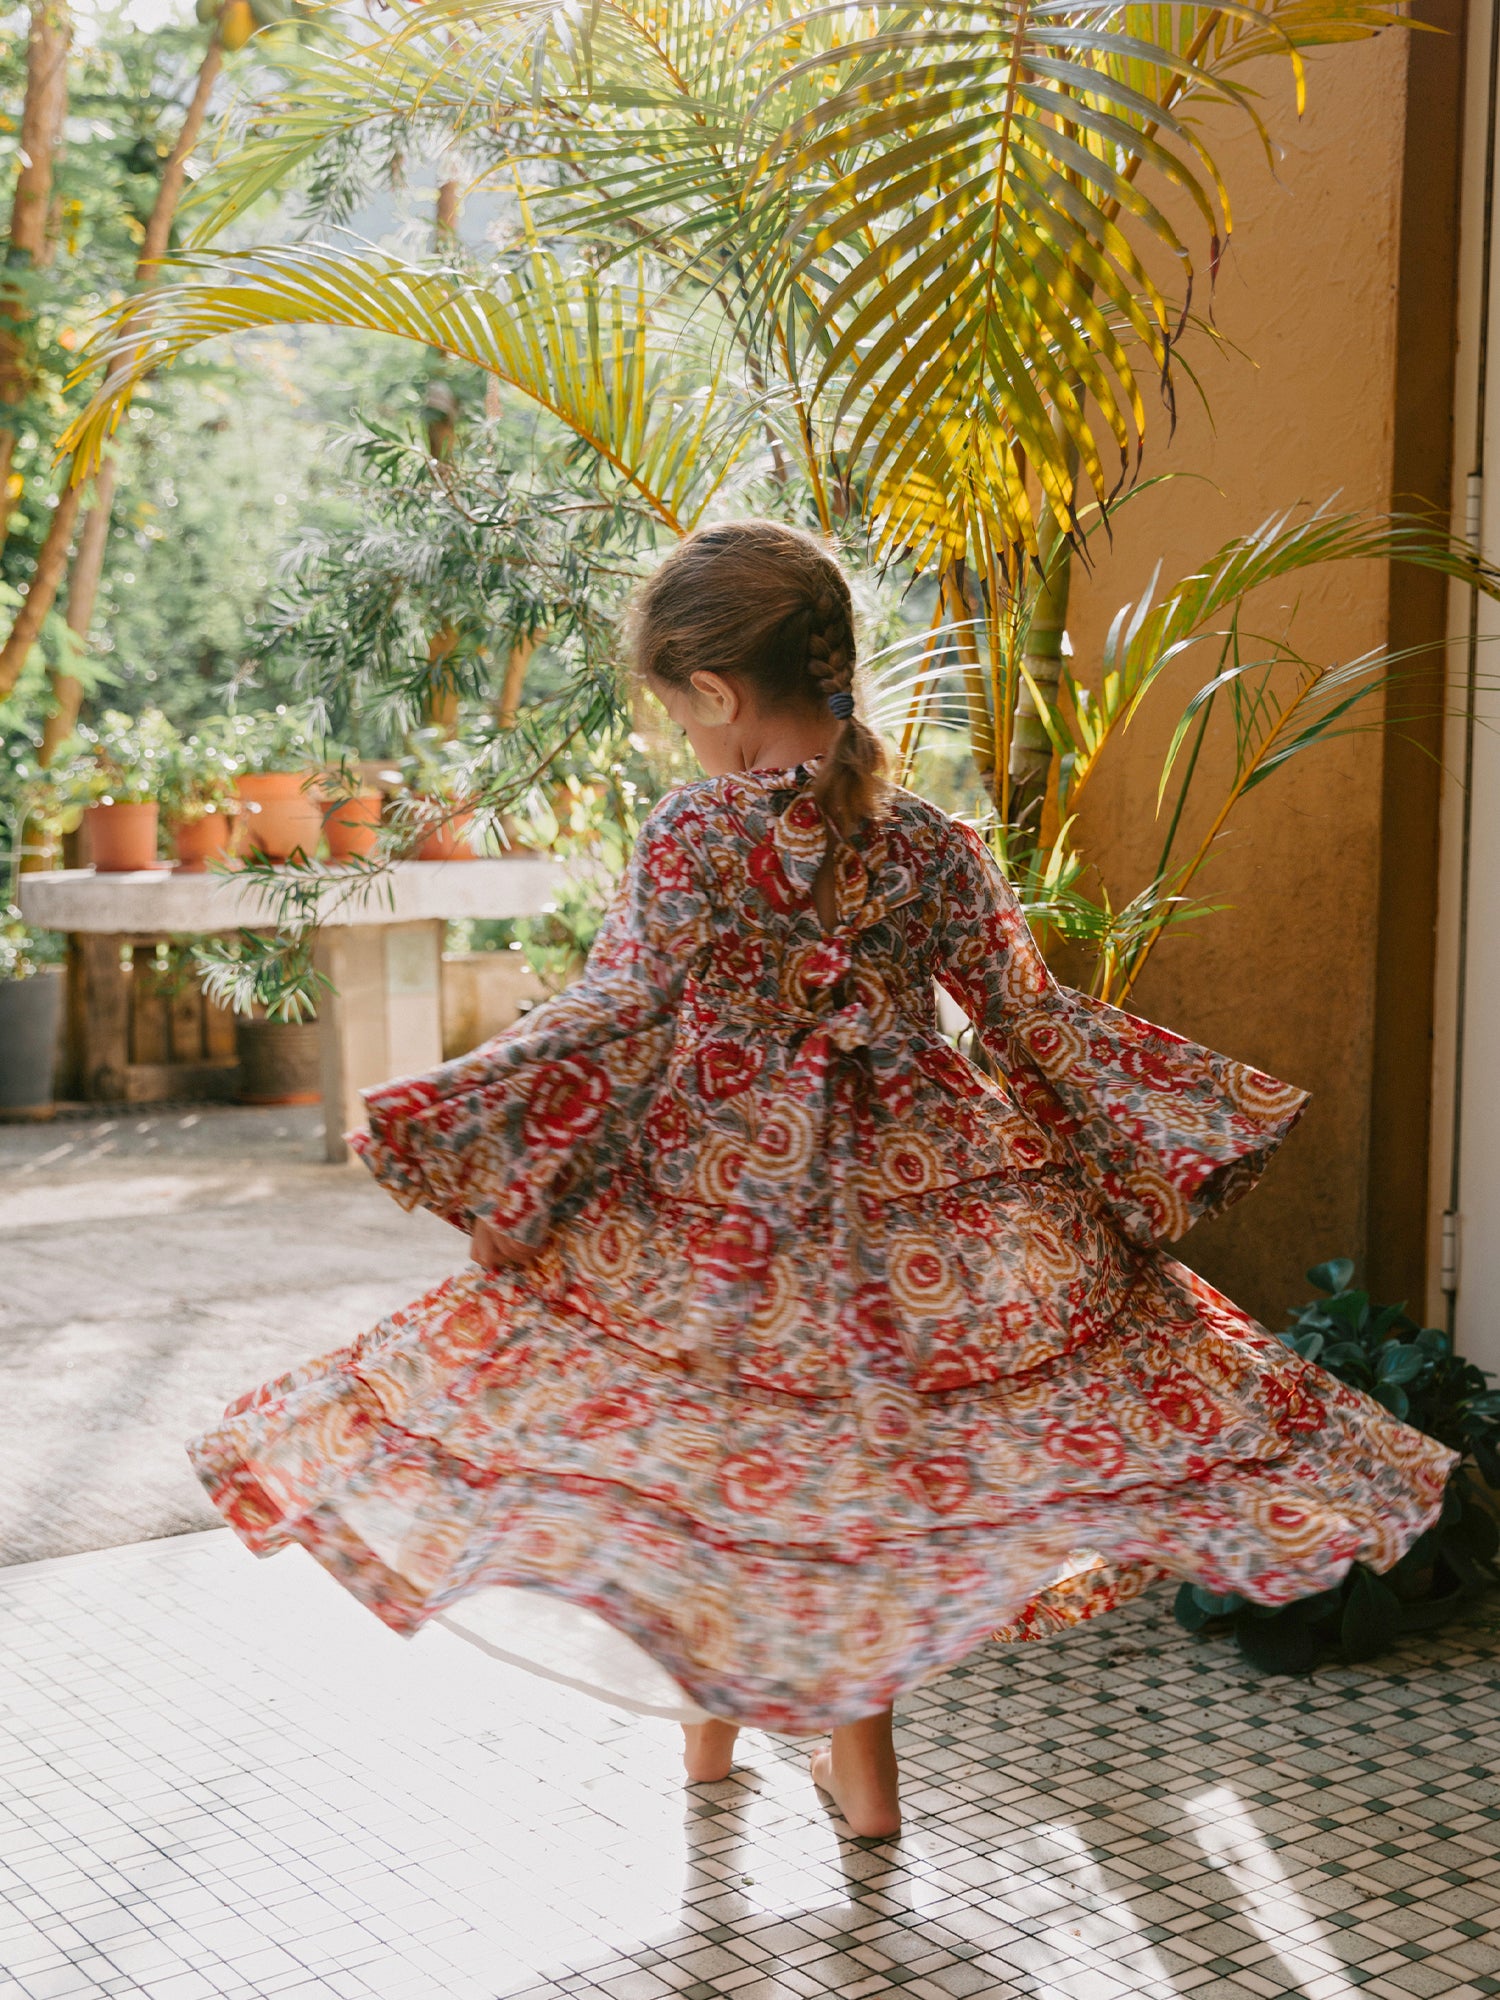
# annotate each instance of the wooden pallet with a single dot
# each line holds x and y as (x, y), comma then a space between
(139, 1029)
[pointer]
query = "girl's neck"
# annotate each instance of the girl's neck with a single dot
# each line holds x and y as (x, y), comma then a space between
(776, 743)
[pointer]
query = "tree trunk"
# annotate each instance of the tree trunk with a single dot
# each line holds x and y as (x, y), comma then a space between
(515, 681)
(30, 247)
(52, 561)
(83, 592)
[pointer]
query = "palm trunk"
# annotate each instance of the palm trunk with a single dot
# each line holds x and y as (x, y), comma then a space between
(53, 560)
(30, 248)
(1041, 661)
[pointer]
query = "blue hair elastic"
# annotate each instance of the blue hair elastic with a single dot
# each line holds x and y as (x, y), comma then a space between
(841, 704)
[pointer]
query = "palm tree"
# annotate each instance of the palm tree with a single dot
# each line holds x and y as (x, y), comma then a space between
(914, 268)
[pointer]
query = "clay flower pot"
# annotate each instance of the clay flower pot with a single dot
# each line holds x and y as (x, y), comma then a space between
(448, 840)
(200, 842)
(353, 825)
(279, 813)
(123, 838)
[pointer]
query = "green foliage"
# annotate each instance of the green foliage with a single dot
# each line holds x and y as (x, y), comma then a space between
(123, 760)
(268, 739)
(197, 774)
(128, 88)
(1414, 1372)
(252, 974)
(24, 950)
(439, 571)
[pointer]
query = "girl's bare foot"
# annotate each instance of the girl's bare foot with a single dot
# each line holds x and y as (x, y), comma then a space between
(708, 1750)
(858, 1772)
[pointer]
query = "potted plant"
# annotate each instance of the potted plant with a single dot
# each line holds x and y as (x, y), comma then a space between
(116, 773)
(439, 783)
(352, 808)
(198, 797)
(281, 814)
(273, 995)
(31, 995)
(31, 978)
(1415, 1373)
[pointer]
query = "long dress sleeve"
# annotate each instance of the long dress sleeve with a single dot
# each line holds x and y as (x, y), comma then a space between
(537, 1115)
(1165, 1132)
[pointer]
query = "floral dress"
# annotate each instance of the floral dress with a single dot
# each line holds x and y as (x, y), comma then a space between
(839, 1355)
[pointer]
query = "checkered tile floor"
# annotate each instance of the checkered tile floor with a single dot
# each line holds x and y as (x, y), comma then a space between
(221, 1777)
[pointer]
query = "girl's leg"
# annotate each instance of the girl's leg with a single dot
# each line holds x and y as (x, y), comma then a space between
(858, 1771)
(708, 1750)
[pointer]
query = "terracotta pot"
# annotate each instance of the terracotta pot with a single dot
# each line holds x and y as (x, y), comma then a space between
(352, 825)
(278, 1062)
(280, 813)
(202, 841)
(447, 841)
(123, 838)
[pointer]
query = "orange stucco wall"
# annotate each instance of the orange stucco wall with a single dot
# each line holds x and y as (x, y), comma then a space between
(1301, 406)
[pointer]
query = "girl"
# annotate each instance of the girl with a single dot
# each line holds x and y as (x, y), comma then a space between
(798, 1350)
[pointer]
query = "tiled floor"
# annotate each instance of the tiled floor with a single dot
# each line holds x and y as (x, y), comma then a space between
(219, 1777)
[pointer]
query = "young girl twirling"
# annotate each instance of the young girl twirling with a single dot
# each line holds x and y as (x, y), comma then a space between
(799, 1351)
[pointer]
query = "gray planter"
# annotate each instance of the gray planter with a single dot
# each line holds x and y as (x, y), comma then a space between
(30, 1010)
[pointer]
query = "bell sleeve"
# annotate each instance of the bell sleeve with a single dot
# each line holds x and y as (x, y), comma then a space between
(1166, 1133)
(542, 1114)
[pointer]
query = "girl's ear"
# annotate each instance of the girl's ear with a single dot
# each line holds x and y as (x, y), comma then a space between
(716, 701)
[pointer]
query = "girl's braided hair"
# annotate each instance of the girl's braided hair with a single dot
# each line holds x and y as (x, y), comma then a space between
(766, 604)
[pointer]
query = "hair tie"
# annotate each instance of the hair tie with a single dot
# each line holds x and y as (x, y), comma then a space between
(841, 704)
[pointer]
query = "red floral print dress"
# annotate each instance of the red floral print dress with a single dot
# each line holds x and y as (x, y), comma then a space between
(839, 1355)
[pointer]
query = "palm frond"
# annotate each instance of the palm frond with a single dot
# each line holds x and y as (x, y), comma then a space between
(1145, 637)
(954, 197)
(650, 400)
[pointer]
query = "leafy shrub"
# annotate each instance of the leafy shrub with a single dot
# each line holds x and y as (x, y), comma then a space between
(1414, 1372)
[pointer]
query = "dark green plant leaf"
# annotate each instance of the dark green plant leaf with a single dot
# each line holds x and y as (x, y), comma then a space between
(1332, 1276)
(1430, 1612)
(1400, 1362)
(1351, 1310)
(1394, 1399)
(1279, 1644)
(1372, 1617)
(1476, 1532)
(1186, 1609)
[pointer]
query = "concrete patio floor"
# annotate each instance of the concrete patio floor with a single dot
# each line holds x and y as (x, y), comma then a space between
(152, 1267)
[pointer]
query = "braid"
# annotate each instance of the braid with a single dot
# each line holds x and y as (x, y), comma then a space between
(830, 645)
(847, 786)
(770, 604)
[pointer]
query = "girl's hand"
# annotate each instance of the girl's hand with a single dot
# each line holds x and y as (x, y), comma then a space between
(495, 1251)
